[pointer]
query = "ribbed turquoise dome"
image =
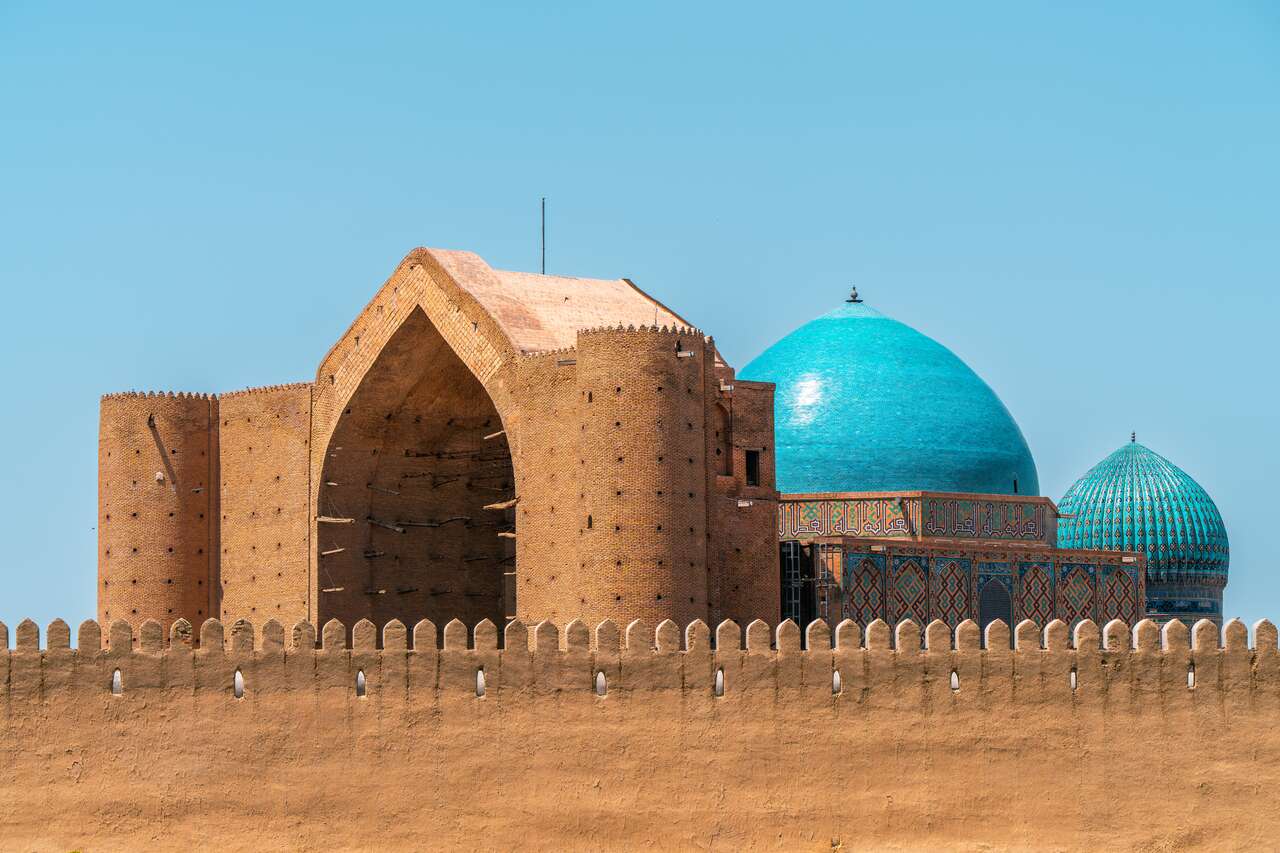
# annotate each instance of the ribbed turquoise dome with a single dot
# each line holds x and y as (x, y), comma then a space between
(865, 403)
(1136, 500)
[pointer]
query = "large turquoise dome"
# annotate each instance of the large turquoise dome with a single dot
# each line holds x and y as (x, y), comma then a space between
(1136, 500)
(866, 403)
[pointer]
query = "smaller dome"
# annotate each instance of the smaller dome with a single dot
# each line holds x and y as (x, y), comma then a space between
(1136, 500)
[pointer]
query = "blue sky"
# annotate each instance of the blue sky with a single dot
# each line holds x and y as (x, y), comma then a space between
(1083, 202)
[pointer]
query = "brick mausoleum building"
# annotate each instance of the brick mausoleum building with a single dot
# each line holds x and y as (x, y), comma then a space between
(493, 444)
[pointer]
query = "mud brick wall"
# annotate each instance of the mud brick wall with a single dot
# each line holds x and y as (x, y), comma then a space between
(1151, 739)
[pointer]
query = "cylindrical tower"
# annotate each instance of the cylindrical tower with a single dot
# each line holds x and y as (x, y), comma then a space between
(642, 460)
(157, 502)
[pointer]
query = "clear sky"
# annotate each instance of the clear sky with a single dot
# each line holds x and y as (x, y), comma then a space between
(1082, 200)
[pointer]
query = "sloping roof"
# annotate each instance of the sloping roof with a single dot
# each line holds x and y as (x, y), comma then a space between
(545, 312)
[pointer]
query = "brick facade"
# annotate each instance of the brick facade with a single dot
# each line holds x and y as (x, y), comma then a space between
(479, 444)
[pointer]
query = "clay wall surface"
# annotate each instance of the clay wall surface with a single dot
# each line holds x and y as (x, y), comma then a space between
(1093, 741)
(264, 456)
(157, 505)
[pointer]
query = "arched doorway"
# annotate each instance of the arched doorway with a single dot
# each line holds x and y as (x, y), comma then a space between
(417, 455)
(994, 603)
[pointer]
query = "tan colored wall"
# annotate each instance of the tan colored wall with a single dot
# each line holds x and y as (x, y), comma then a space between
(427, 382)
(264, 451)
(742, 550)
(642, 476)
(1131, 759)
(417, 454)
(156, 540)
(544, 434)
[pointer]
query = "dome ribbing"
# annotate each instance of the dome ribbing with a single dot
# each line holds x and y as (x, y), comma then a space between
(1136, 500)
(866, 403)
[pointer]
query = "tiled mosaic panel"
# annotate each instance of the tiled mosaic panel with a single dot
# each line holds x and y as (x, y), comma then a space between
(869, 517)
(957, 518)
(1119, 597)
(1075, 593)
(950, 580)
(910, 590)
(1035, 592)
(863, 593)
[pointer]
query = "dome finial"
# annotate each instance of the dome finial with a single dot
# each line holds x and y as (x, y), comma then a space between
(1133, 437)
(853, 295)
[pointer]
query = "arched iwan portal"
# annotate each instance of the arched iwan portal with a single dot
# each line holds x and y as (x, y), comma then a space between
(402, 530)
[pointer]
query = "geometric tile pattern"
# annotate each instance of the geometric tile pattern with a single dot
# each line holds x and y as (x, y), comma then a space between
(906, 517)
(863, 593)
(921, 587)
(1035, 596)
(950, 579)
(1075, 594)
(1119, 598)
(910, 591)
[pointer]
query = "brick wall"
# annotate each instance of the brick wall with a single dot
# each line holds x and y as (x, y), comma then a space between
(264, 453)
(417, 454)
(365, 494)
(157, 501)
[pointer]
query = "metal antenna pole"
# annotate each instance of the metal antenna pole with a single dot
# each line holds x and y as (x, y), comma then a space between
(544, 235)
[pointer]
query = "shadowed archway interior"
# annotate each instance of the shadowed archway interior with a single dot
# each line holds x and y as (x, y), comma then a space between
(418, 453)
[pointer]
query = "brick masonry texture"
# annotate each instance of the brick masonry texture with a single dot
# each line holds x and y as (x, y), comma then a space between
(1012, 754)
(157, 501)
(445, 464)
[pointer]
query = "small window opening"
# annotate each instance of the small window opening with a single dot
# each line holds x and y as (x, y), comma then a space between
(835, 683)
(1073, 678)
(601, 687)
(361, 686)
(719, 689)
(239, 685)
(479, 682)
(117, 684)
(1015, 485)
(589, 522)
(1191, 676)
(753, 467)
(955, 680)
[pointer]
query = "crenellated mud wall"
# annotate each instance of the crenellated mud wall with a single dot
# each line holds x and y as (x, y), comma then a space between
(1111, 739)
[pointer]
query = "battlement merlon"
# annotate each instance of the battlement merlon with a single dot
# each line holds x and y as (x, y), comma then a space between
(1089, 662)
